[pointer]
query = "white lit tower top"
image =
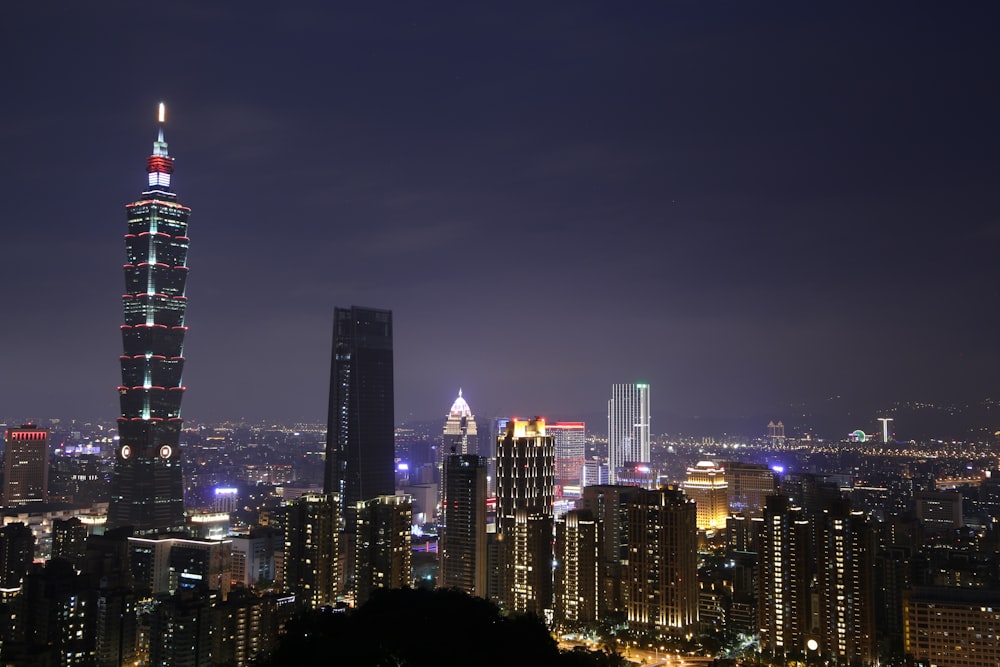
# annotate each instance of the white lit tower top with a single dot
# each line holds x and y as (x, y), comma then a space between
(628, 426)
(147, 490)
(459, 436)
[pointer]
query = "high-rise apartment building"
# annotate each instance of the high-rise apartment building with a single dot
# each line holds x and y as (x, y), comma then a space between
(311, 555)
(609, 505)
(846, 561)
(661, 575)
(525, 488)
(570, 440)
(786, 617)
(578, 571)
(460, 436)
(628, 426)
(706, 485)
(360, 439)
(26, 466)
(383, 558)
(17, 548)
(463, 529)
(815, 582)
(147, 491)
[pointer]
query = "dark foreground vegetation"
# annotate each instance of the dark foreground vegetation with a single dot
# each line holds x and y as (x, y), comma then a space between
(412, 628)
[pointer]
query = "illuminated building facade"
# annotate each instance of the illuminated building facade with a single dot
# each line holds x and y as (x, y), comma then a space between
(628, 426)
(846, 562)
(463, 533)
(662, 568)
(311, 554)
(147, 490)
(952, 626)
(706, 485)
(578, 580)
(26, 466)
(459, 435)
(570, 439)
(525, 493)
(749, 484)
(360, 438)
(383, 558)
(785, 613)
(609, 505)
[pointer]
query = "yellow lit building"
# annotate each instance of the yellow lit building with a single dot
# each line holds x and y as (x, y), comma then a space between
(706, 485)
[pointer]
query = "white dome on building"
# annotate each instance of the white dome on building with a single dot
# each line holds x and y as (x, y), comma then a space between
(460, 408)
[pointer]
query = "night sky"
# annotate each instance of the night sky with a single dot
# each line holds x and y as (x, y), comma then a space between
(747, 204)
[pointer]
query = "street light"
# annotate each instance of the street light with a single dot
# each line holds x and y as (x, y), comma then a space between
(812, 647)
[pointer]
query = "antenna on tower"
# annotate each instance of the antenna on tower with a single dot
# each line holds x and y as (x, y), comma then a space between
(162, 113)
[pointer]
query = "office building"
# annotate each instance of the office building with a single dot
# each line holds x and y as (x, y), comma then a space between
(383, 558)
(460, 435)
(360, 438)
(706, 485)
(570, 440)
(26, 466)
(578, 576)
(628, 426)
(147, 491)
(952, 627)
(749, 484)
(661, 573)
(525, 493)
(595, 473)
(463, 529)
(939, 511)
(311, 554)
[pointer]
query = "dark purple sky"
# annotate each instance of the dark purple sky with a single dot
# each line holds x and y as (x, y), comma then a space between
(745, 204)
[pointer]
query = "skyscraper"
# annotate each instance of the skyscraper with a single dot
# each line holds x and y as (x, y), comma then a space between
(628, 426)
(525, 487)
(785, 611)
(147, 490)
(360, 437)
(460, 436)
(570, 440)
(578, 579)
(463, 540)
(661, 572)
(26, 466)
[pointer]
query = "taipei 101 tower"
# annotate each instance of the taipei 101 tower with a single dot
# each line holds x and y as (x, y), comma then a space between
(147, 491)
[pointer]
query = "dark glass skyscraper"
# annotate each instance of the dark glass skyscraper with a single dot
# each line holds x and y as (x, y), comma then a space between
(360, 432)
(147, 490)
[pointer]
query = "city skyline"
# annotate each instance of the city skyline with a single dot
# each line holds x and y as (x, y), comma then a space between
(780, 204)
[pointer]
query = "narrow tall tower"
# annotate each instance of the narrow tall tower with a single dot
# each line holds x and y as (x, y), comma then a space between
(628, 426)
(360, 436)
(147, 490)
